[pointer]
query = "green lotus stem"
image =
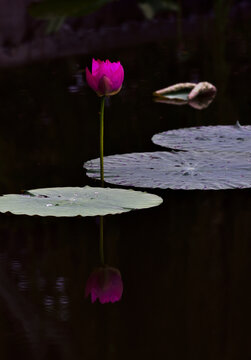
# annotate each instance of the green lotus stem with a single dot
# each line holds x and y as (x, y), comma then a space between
(101, 241)
(101, 237)
(102, 140)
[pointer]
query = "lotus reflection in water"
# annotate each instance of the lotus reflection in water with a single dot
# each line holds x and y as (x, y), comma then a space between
(105, 284)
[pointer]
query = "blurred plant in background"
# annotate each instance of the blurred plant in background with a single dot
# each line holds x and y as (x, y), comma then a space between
(151, 7)
(56, 11)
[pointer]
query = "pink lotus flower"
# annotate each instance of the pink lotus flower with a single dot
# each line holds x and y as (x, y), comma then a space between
(105, 284)
(106, 78)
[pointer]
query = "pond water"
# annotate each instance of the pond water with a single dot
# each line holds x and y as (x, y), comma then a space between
(185, 264)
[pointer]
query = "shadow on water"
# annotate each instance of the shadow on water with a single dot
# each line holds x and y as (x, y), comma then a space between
(185, 265)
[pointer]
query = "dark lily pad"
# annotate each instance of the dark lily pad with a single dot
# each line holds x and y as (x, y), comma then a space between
(209, 138)
(176, 170)
(74, 201)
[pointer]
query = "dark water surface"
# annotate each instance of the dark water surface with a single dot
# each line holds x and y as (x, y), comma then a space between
(185, 264)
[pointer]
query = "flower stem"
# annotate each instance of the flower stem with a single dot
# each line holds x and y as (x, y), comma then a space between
(101, 237)
(101, 241)
(102, 140)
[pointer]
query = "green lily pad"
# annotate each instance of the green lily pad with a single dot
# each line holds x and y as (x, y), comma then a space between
(207, 138)
(175, 92)
(74, 201)
(176, 170)
(179, 95)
